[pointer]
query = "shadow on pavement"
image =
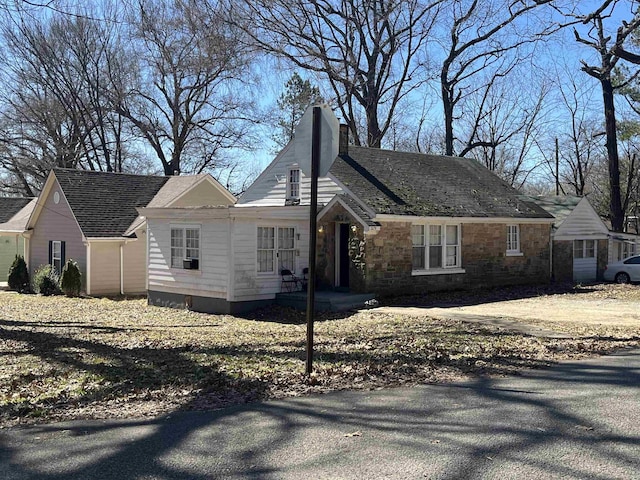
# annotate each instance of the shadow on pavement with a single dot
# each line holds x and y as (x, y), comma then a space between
(575, 420)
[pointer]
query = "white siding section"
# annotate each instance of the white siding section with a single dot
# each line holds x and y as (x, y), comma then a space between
(134, 256)
(270, 188)
(582, 222)
(105, 268)
(584, 270)
(210, 280)
(249, 285)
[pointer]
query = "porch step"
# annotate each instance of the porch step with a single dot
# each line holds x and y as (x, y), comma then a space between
(325, 301)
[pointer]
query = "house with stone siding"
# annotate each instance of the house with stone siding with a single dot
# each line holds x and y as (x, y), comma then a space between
(389, 222)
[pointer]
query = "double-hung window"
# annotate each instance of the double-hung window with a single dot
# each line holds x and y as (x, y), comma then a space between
(56, 255)
(513, 239)
(584, 249)
(435, 247)
(293, 184)
(266, 249)
(276, 249)
(185, 245)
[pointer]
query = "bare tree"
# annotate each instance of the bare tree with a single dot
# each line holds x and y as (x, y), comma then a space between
(485, 36)
(598, 39)
(504, 128)
(368, 50)
(56, 111)
(182, 101)
(583, 143)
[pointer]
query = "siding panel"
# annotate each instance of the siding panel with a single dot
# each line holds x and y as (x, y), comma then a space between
(56, 222)
(209, 280)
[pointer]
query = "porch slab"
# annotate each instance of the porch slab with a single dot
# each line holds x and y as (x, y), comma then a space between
(325, 301)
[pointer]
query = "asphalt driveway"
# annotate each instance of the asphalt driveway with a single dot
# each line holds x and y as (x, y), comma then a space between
(575, 420)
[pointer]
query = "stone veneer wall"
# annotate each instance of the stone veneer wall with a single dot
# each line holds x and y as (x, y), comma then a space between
(326, 250)
(563, 261)
(483, 248)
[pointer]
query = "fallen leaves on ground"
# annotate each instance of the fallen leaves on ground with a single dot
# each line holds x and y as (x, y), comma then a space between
(68, 358)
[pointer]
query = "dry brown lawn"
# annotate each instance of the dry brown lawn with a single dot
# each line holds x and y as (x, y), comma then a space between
(65, 358)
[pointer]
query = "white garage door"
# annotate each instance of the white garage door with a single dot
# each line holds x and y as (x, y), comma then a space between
(585, 264)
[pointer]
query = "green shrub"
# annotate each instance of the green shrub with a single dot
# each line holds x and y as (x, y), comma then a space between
(71, 279)
(45, 281)
(19, 275)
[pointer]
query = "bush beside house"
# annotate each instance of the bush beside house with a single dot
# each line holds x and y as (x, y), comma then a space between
(45, 281)
(71, 279)
(19, 275)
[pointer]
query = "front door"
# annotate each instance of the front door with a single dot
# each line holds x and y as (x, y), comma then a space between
(342, 256)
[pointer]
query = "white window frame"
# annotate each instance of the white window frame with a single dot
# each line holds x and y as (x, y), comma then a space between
(585, 249)
(293, 184)
(58, 258)
(277, 248)
(513, 244)
(445, 244)
(183, 229)
(271, 249)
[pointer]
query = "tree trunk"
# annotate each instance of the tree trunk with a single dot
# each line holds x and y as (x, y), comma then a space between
(616, 213)
(374, 135)
(447, 103)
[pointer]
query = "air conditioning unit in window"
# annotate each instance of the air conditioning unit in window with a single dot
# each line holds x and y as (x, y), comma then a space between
(190, 263)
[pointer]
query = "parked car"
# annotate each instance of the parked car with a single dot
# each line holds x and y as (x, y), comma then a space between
(624, 271)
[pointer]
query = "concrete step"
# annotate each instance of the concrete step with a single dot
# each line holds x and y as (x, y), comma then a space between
(326, 301)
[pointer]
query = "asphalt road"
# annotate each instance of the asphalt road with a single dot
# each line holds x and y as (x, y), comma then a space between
(578, 419)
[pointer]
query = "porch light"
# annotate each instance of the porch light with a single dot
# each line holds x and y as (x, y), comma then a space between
(321, 229)
(354, 228)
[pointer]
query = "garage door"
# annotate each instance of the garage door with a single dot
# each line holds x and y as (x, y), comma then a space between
(585, 264)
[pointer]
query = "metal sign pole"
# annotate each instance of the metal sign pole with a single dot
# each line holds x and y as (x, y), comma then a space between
(313, 210)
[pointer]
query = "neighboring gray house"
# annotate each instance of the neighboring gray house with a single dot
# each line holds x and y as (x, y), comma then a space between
(91, 217)
(391, 222)
(14, 215)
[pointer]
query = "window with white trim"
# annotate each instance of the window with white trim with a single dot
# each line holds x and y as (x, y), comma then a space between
(513, 239)
(266, 249)
(276, 248)
(293, 184)
(286, 248)
(56, 256)
(435, 246)
(185, 245)
(584, 249)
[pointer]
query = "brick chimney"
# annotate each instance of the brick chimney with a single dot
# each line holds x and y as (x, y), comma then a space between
(343, 145)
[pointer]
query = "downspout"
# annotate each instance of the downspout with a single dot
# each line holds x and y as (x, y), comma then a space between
(551, 253)
(88, 268)
(231, 282)
(122, 269)
(26, 238)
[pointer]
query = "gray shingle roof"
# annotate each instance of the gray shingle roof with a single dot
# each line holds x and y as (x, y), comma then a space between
(560, 206)
(358, 210)
(9, 206)
(404, 183)
(105, 203)
(18, 222)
